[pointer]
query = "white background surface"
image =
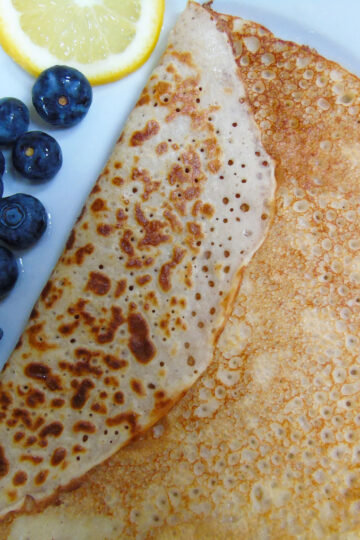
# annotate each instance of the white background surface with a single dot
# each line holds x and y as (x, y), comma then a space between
(331, 26)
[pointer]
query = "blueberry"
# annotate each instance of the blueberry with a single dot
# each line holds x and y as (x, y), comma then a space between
(1, 188)
(62, 96)
(8, 271)
(23, 220)
(14, 119)
(37, 155)
(2, 164)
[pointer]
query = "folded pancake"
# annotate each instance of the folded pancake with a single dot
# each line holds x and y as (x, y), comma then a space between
(266, 445)
(130, 316)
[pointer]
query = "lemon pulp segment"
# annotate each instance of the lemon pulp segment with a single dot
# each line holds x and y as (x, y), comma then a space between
(105, 39)
(85, 33)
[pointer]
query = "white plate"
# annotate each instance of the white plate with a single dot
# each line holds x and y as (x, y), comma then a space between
(330, 26)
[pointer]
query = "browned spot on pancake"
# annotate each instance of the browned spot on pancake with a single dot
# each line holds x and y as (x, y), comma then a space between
(54, 430)
(212, 148)
(34, 313)
(183, 57)
(12, 495)
(161, 91)
(142, 280)
(81, 368)
(134, 263)
(84, 426)
(98, 283)
(57, 403)
(139, 137)
(38, 341)
(175, 223)
(104, 229)
(58, 456)
(107, 333)
(167, 268)
(208, 210)
(41, 477)
(177, 175)
(40, 372)
(77, 449)
(164, 324)
(10, 422)
(120, 216)
(153, 235)
(68, 329)
(195, 229)
(194, 236)
(161, 401)
(144, 98)
(98, 204)
(99, 408)
(82, 252)
(30, 440)
(114, 363)
(149, 186)
(196, 208)
(137, 387)
(85, 354)
(50, 293)
(70, 241)
(125, 243)
(111, 381)
(117, 181)
(35, 460)
(191, 193)
(140, 344)
(20, 391)
(4, 464)
(97, 188)
(119, 398)
(120, 288)
(214, 165)
(19, 435)
(81, 395)
(35, 398)
(129, 419)
(20, 414)
(20, 478)
(5, 400)
(161, 148)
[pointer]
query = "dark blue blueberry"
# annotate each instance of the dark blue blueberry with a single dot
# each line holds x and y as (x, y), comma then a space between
(37, 155)
(2, 164)
(14, 119)
(23, 220)
(62, 96)
(1, 188)
(1, 333)
(8, 271)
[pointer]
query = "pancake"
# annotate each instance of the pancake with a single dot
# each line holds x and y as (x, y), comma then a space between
(129, 318)
(266, 444)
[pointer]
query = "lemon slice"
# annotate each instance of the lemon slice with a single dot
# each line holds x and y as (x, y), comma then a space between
(104, 39)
